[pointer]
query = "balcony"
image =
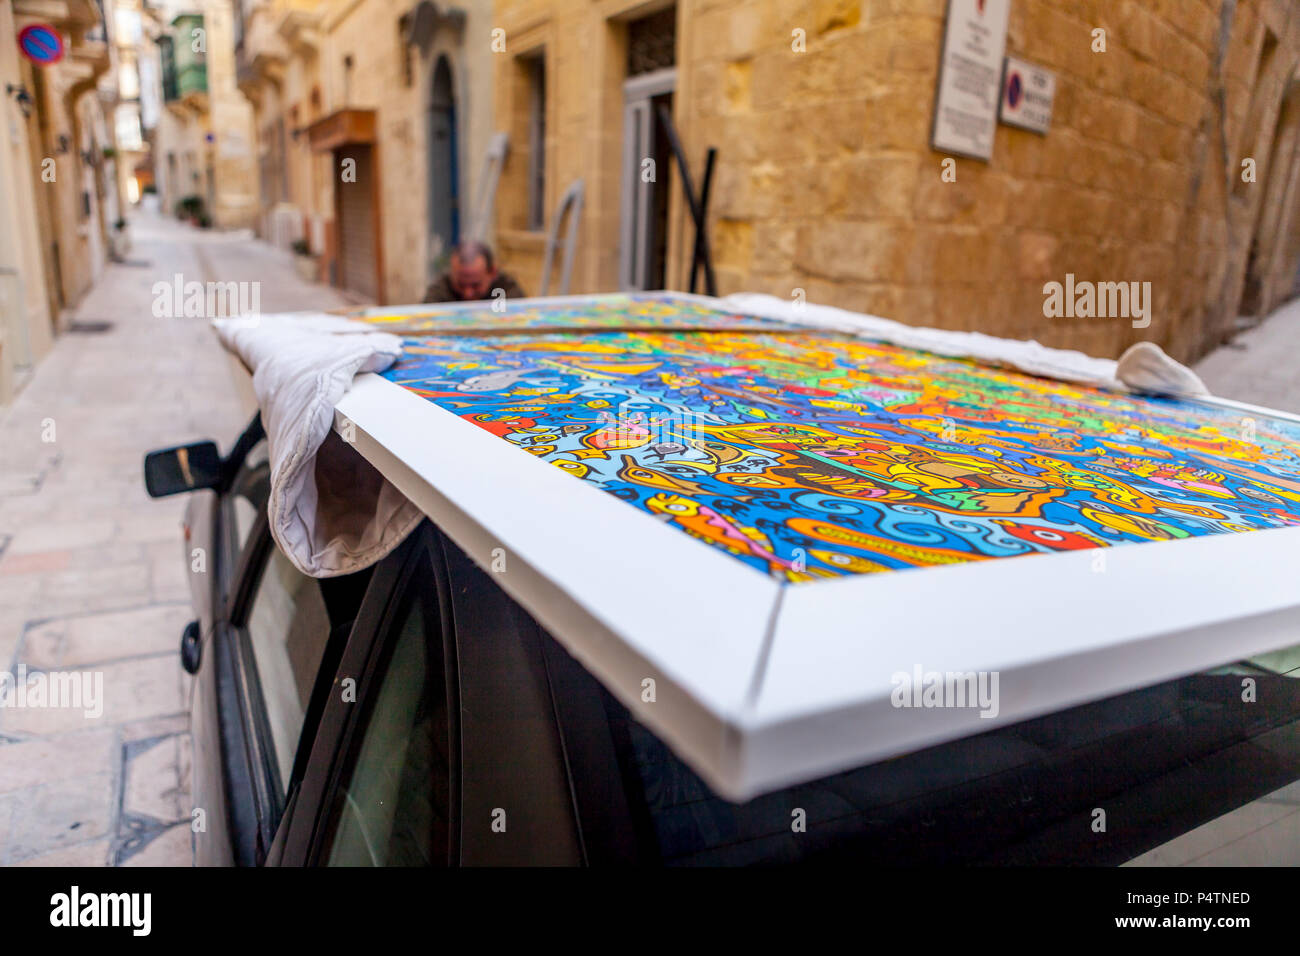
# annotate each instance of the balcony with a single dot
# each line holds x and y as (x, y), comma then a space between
(66, 14)
(167, 57)
(299, 26)
(261, 54)
(189, 86)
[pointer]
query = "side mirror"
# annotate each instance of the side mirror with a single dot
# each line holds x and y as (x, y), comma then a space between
(173, 471)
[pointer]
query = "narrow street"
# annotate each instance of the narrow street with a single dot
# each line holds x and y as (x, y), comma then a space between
(93, 574)
(92, 571)
(1259, 366)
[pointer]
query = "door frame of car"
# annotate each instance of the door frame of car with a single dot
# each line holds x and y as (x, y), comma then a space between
(318, 768)
(585, 814)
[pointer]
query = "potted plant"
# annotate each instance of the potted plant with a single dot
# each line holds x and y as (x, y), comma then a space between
(304, 263)
(190, 208)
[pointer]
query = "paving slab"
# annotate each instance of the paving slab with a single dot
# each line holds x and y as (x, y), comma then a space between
(57, 815)
(153, 780)
(173, 847)
(94, 853)
(92, 571)
(31, 763)
(86, 639)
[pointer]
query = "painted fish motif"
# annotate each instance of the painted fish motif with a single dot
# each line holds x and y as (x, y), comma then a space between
(703, 522)
(1058, 539)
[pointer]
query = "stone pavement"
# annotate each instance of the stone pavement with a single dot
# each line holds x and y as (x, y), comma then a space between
(93, 572)
(1261, 366)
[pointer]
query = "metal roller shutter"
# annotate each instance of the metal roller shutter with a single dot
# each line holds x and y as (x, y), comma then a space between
(357, 259)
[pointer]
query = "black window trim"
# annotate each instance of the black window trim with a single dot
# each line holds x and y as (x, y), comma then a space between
(254, 791)
(247, 565)
(233, 563)
(251, 778)
(242, 805)
(611, 833)
(256, 796)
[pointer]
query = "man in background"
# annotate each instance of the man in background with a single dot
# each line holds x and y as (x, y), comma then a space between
(473, 275)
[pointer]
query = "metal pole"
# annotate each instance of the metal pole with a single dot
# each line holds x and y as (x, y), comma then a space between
(701, 234)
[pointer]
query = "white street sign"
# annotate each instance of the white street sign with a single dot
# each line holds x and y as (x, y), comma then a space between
(970, 74)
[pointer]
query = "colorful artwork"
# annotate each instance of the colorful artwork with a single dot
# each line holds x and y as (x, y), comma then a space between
(647, 311)
(819, 455)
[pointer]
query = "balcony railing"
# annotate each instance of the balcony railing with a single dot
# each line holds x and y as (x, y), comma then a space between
(167, 56)
(191, 69)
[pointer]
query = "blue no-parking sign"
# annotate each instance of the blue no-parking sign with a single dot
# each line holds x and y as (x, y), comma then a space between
(41, 43)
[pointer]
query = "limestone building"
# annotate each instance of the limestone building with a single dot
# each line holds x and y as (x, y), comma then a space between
(59, 196)
(826, 181)
(373, 119)
(203, 149)
(137, 107)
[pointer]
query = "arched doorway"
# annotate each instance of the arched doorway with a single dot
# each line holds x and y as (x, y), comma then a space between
(444, 176)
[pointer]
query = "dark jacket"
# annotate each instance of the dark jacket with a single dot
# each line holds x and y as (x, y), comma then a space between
(442, 290)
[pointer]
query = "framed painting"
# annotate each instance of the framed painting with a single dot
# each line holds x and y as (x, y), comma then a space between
(791, 550)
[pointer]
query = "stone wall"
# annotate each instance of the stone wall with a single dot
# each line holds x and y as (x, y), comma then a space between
(393, 79)
(27, 303)
(826, 181)
(232, 153)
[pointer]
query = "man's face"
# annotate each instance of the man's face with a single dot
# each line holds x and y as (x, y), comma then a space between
(472, 279)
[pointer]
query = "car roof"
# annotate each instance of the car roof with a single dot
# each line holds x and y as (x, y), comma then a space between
(791, 550)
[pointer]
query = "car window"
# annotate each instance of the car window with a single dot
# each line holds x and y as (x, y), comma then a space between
(516, 803)
(288, 628)
(248, 495)
(455, 756)
(394, 805)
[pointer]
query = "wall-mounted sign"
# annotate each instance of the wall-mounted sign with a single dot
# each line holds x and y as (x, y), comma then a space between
(41, 43)
(970, 77)
(1027, 93)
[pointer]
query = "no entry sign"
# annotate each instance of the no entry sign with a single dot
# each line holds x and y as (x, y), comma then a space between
(41, 43)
